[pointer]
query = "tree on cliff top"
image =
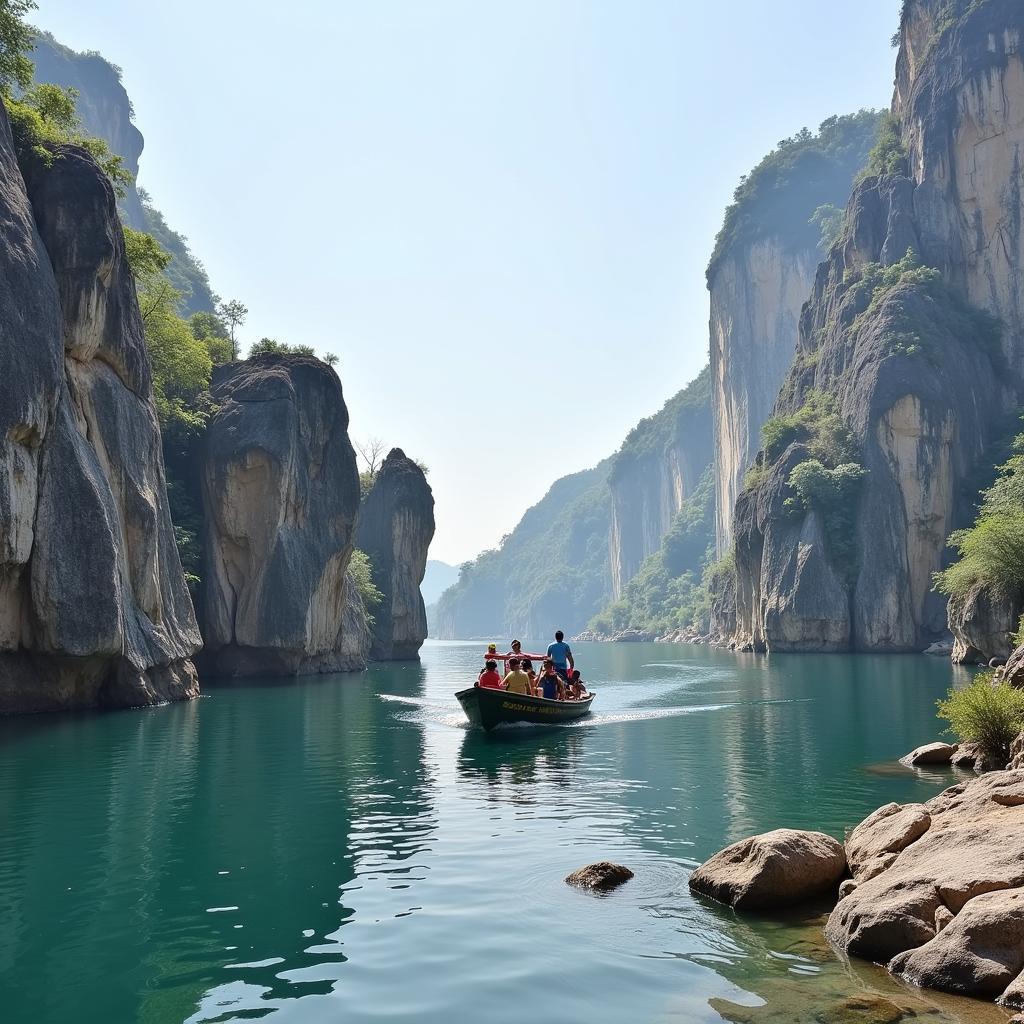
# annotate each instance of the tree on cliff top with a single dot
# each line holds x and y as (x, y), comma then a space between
(15, 42)
(803, 173)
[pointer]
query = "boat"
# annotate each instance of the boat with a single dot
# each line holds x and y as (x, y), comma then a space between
(487, 708)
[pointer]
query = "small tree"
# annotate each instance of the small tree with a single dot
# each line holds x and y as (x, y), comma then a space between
(331, 358)
(372, 453)
(233, 313)
(15, 41)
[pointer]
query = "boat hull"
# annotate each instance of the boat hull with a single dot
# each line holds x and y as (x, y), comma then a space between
(486, 708)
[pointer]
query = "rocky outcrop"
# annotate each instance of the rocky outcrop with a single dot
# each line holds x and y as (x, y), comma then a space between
(93, 605)
(656, 470)
(396, 525)
(759, 278)
(280, 499)
(757, 291)
(919, 371)
(939, 890)
(599, 877)
(982, 624)
(102, 104)
(778, 869)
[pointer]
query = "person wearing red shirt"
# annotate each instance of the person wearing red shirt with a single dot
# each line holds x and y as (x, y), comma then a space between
(490, 678)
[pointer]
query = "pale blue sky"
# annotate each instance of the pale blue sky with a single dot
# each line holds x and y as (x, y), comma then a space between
(498, 214)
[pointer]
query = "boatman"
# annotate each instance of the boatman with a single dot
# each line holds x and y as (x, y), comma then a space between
(561, 656)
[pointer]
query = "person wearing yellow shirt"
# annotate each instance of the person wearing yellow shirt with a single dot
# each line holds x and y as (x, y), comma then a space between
(517, 681)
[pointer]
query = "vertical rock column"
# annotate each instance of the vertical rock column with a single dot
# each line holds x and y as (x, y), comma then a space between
(396, 526)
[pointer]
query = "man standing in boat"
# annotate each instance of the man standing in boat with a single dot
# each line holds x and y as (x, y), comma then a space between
(561, 656)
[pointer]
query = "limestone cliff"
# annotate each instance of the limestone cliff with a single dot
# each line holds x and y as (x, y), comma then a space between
(106, 112)
(653, 474)
(902, 375)
(93, 606)
(280, 499)
(760, 276)
(396, 526)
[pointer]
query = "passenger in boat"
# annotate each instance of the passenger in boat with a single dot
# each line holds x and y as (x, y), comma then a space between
(527, 667)
(561, 654)
(551, 685)
(490, 677)
(577, 688)
(517, 681)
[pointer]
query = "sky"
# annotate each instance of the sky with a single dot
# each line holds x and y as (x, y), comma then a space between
(497, 213)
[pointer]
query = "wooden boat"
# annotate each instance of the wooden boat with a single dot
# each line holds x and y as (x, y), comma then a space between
(487, 708)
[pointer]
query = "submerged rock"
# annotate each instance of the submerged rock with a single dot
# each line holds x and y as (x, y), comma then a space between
(777, 869)
(396, 525)
(600, 876)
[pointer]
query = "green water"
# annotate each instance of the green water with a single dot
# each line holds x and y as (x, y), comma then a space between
(343, 849)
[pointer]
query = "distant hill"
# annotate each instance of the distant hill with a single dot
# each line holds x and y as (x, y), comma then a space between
(439, 577)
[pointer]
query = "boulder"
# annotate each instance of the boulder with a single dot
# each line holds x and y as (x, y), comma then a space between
(280, 498)
(94, 611)
(777, 869)
(1013, 670)
(941, 648)
(974, 844)
(981, 623)
(396, 526)
(930, 753)
(599, 877)
(876, 842)
(980, 952)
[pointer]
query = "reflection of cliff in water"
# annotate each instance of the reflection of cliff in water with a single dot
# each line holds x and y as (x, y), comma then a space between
(235, 830)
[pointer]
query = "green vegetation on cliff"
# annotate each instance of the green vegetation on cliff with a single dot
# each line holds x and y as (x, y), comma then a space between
(551, 572)
(806, 172)
(991, 552)
(655, 434)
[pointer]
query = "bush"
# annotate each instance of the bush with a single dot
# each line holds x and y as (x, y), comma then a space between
(987, 714)
(889, 155)
(362, 575)
(818, 424)
(833, 493)
(992, 550)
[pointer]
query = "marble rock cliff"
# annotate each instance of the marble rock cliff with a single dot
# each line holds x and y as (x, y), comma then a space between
(396, 526)
(757, 291)
(657, 469)
(280, 500)
(918, 357)
(93, 605)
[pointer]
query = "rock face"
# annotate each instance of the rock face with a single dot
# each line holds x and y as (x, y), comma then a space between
(657, 469)
(102, 104)
(93, 605)
(759, 278)
(778, 869)
(396, 526)
(280, 499)
(920, 377)
(757, 291)
(981, 624)
(599, 877)
(939, 889)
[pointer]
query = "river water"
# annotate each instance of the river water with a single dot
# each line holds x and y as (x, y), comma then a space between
(344, 849)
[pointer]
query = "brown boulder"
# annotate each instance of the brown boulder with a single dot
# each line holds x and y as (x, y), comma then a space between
(930, 753)
(599, 877)
(876, 842)
(776, 869)
(979, 953)
(974, 845)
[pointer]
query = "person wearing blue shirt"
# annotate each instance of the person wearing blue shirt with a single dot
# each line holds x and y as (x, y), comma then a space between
(561, 656)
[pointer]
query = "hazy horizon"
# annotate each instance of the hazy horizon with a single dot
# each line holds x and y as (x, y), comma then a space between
(498, 217)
